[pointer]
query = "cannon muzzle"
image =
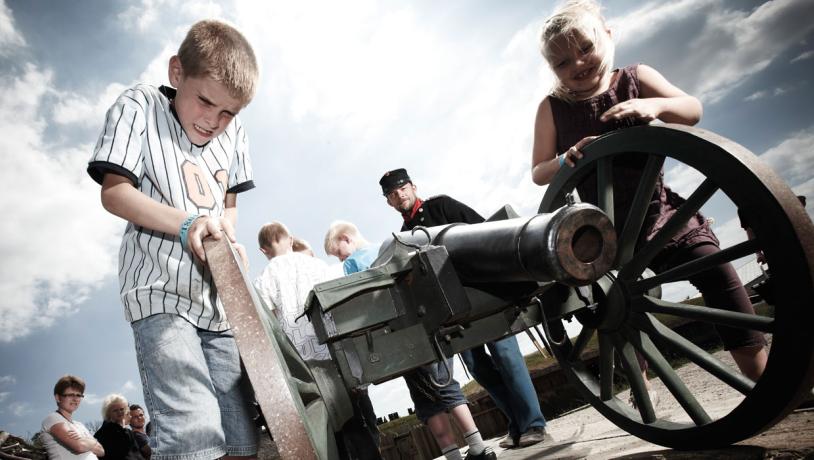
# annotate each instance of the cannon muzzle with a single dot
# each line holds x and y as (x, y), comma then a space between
(574, 245)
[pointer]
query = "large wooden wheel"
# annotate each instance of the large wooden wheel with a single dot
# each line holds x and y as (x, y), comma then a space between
(625, 308)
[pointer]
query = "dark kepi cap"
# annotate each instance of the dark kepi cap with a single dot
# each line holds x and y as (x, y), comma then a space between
(393, 180)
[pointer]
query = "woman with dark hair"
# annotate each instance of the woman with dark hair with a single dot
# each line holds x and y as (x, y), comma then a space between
(64, 437)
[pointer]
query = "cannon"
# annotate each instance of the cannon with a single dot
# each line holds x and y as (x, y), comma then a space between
(437, 291)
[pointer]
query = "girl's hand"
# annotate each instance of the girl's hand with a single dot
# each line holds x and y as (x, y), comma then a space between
(575, 153)
(642, 109)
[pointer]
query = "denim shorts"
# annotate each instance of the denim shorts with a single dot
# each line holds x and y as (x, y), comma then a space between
(197, 396)
(429, 399)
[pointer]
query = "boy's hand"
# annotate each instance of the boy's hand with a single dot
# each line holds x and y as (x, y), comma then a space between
(642, 109)
(207, 226)
(244, 257)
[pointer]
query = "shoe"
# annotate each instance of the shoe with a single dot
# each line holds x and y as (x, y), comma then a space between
(487, 454)
(531, 437)
(508, 442)
(652, 394)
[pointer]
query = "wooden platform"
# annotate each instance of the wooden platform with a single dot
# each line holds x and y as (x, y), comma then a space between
(587, 434)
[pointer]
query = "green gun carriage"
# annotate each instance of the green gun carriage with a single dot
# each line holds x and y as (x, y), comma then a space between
(437, 291)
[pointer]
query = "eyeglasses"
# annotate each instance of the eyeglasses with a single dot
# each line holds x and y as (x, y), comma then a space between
(73, 395)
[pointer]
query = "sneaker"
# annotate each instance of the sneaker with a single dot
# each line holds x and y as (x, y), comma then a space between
(487, 454)
(652, 394)
(507, 442)
(531, 437)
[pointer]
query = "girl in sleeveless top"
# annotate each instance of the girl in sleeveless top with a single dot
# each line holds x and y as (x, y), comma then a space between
(590, 99)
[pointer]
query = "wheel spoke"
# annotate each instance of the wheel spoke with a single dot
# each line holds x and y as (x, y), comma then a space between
(582, 340)
(605, 366)
(684, 271)
(694, 353)
(638, 209)
(604, 185)
(669, 377)
(648, 304)
(630, 364)
(639, 262)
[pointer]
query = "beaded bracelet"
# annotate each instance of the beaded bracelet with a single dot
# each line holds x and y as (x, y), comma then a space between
(561, 159)
(185, 228)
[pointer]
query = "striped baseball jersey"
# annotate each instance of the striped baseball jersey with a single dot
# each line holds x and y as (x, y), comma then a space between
(143, 141)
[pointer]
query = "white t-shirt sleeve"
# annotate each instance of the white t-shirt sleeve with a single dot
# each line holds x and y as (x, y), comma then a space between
(119, 147)
(240, 170)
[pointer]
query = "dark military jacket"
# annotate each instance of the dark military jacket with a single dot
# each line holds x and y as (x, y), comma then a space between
(441, 210)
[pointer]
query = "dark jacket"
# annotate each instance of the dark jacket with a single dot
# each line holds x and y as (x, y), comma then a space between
(119, 442)
(441, 210)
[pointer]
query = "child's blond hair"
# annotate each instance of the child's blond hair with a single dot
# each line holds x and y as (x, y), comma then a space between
(585, 17)
(271, 233)
(300, 245)
(218, 51)
(339, 228)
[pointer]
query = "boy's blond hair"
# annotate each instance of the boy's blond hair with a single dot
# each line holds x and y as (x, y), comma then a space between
(218, 51)
(271, 233)
(584, 17)
(339, 228)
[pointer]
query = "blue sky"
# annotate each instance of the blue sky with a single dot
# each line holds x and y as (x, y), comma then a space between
(348, 91)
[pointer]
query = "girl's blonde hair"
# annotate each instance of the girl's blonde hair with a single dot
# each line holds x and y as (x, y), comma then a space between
(110, 400)
(577, 16)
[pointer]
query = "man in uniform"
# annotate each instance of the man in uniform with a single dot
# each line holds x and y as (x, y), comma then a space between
(504, 374)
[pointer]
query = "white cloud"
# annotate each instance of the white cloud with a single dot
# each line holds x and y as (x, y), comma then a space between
(60, 242)
(730, 232)
(793, 159)
(755, 96)
(128, 387)
(806, 189)
(7, 380)
(803, 56)
(10, 38)
(683, 179)
(390, 81)
(4, 395)
(676, 292)
(20, 409)
(144, 16)
(731, 45)
(92, 399)
(73, 108)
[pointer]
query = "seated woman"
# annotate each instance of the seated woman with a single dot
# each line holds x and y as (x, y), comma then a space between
(65, 438)
(118, 441)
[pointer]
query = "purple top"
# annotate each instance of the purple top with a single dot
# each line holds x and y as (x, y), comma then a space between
(576, 120)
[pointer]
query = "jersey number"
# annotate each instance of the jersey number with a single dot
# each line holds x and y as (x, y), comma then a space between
(198, 190)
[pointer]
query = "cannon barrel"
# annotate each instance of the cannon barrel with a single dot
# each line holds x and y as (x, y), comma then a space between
(574, 245)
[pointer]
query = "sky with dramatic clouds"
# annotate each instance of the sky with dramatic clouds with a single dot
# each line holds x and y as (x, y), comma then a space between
(349, 90)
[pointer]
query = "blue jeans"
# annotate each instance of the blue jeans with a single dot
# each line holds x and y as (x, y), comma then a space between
(506, 378)
(197, 396)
